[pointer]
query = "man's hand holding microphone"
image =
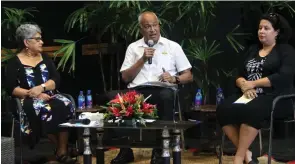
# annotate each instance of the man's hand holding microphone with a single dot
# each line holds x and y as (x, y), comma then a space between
(149, 52)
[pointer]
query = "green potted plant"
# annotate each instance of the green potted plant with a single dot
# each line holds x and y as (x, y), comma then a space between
(202, 51)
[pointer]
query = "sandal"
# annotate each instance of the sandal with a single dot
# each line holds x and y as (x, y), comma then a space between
(65, 159)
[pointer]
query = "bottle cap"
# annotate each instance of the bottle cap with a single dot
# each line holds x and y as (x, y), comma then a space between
(199, 90)
(81, 92)
(219, 89)
(88, 91)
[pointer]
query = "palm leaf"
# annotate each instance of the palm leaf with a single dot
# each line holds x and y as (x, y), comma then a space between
(202, 51)
(63, 41)
(233, 42)
(8, 54)
(78, 18)
(195, 14)
(61, 50)
(281, 5)
(14, 17)
(229, 73)
(68, 49)
(73, 65)
(68, 54)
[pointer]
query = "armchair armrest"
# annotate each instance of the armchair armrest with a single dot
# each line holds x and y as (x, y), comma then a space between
(69, 97)
(72, 100)
(18, 104)
(281, 97)
(275, 101)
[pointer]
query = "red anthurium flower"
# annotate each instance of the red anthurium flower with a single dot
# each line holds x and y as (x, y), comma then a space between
(147, 111)
(147, 108)
(130, 97)
(115, 111)
(129, 111)
(117, 100)
(117, 96)
(131, 93)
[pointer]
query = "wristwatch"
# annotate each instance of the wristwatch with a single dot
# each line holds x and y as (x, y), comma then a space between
(177, 81)
(44, 87)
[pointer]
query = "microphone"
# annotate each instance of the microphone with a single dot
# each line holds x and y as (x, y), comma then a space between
(150, 44)
(85, 121)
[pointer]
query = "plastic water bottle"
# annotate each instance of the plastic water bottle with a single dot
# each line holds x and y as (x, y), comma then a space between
(81, 101)
(219, 96)
(198, 100)
(88, 99)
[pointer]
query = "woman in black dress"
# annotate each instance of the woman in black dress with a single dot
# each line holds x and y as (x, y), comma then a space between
(32, 77)
(267, 72)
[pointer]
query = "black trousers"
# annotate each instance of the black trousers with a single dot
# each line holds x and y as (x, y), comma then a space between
(162, 97)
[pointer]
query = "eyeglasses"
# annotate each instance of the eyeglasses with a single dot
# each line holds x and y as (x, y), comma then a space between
(38, 39)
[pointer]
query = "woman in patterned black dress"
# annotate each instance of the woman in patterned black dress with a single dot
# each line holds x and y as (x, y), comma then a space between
(32, 77)
(267, 72)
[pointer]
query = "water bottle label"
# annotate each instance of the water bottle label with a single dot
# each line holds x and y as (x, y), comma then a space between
(89, 101)
(81, 103)
(219, 98)
(198, 101)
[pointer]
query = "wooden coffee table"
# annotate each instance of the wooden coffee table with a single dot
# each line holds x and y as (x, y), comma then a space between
(79, 131)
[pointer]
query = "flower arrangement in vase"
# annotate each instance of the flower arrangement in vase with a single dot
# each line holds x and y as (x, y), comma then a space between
(130, 106)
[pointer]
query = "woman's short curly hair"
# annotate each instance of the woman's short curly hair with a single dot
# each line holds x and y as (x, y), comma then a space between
(26, 31)
(278, 22)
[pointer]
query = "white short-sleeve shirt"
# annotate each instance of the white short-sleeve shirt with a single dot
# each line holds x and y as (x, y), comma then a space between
(168, 55)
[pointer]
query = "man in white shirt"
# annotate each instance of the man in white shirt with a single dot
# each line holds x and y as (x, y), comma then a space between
(169, 64)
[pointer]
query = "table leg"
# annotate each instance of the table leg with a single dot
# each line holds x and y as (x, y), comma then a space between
(176, 147)
(166, 141)
(87, 156)
(99, 146)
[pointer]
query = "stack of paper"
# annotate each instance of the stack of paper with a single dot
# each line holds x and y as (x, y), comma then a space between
(243, 100)
(159, 84)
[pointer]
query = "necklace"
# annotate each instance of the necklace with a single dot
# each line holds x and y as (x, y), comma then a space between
(30, 55)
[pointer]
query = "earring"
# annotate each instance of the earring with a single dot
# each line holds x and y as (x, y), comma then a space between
(27, 48)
